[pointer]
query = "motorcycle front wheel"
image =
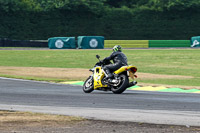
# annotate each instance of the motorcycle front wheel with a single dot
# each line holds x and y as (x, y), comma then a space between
(88, 86)
(124, 81)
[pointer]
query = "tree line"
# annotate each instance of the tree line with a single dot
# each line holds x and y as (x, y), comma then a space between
(115, 19)
(96, 6)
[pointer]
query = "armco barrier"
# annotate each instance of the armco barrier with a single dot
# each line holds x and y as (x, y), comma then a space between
(169, 43)
(6, 42)
(127, 43)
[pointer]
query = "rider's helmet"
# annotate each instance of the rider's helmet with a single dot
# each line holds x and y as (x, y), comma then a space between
(117, 48)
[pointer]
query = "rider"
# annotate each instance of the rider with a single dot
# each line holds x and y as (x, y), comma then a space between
(119, 60)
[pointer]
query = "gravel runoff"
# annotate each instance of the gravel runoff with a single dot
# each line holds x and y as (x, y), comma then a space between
(96, 126)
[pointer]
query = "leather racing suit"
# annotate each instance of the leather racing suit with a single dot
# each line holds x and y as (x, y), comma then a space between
(119, 60)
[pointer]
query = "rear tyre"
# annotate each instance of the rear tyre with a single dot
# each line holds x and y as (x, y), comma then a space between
(88, 86)
(122, 86)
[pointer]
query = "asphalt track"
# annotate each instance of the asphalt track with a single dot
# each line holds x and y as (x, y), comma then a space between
(135, 106)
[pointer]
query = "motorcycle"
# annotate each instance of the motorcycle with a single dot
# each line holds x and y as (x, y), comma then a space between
(120, 82)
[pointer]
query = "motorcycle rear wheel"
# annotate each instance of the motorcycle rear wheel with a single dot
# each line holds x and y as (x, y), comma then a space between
(88, 86)
(122, 86)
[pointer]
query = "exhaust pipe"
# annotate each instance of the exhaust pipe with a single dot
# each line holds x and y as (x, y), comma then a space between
(132, 83)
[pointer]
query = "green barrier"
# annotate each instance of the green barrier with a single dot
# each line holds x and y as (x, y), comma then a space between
(91, 42)
(195, 41)
(127, 43)
(62, 43)
(169, 43)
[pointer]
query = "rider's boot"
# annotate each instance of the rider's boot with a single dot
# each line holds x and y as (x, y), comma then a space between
(109, 75)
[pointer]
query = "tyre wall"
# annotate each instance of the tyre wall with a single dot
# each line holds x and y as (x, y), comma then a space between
(90, 42)
(62, 43)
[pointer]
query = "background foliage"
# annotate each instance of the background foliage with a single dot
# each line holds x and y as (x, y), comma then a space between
(116, 20)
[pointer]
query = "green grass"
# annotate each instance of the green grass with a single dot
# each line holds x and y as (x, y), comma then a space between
(157, 61)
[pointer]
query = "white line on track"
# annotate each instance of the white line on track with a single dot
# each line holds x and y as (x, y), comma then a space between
(44, 82)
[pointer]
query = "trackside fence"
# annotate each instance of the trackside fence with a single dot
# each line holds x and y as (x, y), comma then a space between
(127, 43)
(98, 42)
(147, 43)
(169, 43)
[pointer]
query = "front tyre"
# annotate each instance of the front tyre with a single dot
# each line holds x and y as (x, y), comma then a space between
(88, 86)
(124, 81)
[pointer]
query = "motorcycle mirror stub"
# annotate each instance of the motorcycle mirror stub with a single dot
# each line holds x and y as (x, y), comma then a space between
(97, 56)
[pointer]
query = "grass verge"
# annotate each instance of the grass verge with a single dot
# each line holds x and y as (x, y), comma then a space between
(183, 62)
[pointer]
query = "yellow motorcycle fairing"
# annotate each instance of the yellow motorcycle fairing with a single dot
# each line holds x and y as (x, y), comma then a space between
(98, 76)
(131, 69)
(125, 68)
